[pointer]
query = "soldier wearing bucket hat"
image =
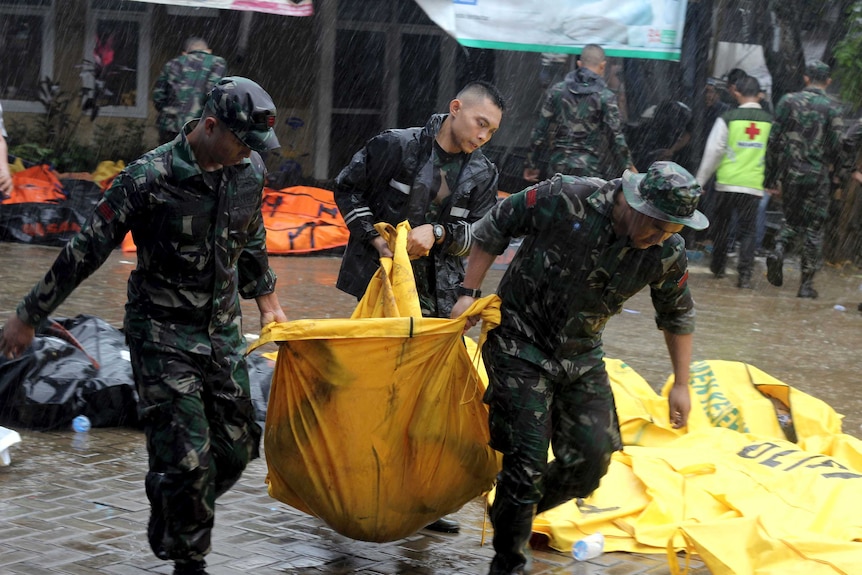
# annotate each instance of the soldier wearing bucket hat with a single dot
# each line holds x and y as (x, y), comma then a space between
(667, 192)
(588, 246)
(192, 206)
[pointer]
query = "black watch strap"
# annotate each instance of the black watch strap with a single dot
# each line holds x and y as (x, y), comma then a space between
(474, 293)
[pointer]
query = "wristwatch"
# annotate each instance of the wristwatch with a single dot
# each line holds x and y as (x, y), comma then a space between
(473, 293)
(439, 232)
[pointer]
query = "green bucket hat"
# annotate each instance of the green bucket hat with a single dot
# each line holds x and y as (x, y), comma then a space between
(667, 192)
(247, 111)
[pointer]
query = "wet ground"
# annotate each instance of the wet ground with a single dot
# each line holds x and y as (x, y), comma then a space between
(75, 504)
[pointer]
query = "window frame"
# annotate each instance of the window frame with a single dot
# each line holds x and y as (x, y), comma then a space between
(143, 17)
(46, 65)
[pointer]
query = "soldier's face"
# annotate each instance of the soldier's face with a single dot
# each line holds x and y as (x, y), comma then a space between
(474, 121)
(228, 150)
(645, 232)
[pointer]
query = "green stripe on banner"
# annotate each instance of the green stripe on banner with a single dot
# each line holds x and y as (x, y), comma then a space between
(671, 55)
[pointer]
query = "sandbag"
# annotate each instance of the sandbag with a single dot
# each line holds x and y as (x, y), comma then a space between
(376, 424)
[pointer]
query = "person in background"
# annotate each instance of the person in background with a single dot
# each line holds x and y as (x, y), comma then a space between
(5, 174)
(589, 245)
(805, 140)
(183, 85)
(735, 152)
(435, 177)
(579, 116)
(193, 208)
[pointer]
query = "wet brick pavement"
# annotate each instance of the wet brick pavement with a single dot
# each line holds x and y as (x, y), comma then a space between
(75, 504)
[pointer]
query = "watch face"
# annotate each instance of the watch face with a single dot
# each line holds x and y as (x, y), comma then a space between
(438, 231)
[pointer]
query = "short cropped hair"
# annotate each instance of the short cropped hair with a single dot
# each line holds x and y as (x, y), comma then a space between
(748, 86)
(483, 89)
(193, 43)
(592, 55)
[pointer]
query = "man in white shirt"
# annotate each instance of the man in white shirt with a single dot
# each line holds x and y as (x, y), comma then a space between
(735, 152)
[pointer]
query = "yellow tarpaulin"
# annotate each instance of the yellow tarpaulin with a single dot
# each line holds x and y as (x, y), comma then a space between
(376, 423)
(733, 489)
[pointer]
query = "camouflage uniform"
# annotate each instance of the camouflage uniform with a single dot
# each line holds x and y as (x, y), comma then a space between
(548, 383)
(182, 87)
(804, 141)
(200, 244)
(395, 177)
(579, 118)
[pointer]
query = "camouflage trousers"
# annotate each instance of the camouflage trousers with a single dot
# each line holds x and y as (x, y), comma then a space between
(805, 209)
(529, 411)
(201, 433)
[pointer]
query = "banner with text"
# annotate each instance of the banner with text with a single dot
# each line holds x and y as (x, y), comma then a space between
(281, 7)
(625, 28)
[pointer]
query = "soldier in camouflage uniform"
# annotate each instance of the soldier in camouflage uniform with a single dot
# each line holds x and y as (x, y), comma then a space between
(183, 86)
(589, 245)
(804, 141)
(193, 208)
(579, 116)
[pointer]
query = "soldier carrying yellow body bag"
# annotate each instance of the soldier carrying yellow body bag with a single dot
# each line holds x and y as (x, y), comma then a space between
(376, 424)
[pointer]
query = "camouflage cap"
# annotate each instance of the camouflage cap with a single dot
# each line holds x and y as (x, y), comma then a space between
(817, 70)
(247, 111)
(667, 192)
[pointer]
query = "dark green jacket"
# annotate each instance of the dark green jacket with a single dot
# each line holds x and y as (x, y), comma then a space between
(200, 244)
(572, 273)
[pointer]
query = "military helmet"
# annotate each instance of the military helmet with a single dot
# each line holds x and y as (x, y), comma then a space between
(667, 192)
(246, 110)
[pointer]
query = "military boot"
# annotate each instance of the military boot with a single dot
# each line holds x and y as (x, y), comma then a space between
(513, 524)
(806, 287)
(775, 266)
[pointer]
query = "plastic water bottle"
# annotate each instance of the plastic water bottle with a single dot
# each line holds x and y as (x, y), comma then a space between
(589, 547)
(81, 424)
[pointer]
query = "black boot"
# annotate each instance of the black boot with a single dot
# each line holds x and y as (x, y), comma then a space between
(190, 568)
(806, 287)
(513, 524)
(775, 266)
(444, 525)
(744, 281)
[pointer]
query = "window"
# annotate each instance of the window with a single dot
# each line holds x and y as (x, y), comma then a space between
(117, 57)
(26, 35)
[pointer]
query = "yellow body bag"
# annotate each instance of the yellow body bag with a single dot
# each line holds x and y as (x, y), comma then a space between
(731, 487)
(375, 424)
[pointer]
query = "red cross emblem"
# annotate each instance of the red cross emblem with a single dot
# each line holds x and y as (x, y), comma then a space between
(752, 130)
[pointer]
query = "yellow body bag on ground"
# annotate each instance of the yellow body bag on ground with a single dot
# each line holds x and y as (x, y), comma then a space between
(732, 488)
(375, 424)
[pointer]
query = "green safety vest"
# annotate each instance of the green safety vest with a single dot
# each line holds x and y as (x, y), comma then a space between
(747, 134)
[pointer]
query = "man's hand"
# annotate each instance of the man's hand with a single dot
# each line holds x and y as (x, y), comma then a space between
(420, 240)
(531, 174)
(382, 247)
(15, 337)
(463, 304)
(857, 175)
(270, 309)
(679, 405)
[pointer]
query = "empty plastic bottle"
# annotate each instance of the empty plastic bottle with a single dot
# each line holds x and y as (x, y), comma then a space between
(81, 423)
(589, 547)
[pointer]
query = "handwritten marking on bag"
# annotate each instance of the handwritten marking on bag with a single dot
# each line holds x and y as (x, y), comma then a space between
(775, 455)
(720, 410)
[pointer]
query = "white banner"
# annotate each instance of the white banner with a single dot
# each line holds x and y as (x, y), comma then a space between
(282, 7)
(624, 28)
